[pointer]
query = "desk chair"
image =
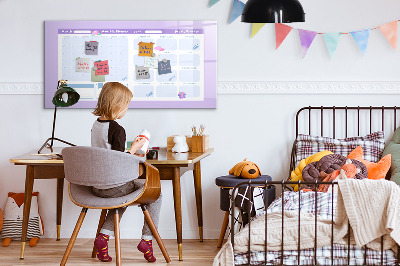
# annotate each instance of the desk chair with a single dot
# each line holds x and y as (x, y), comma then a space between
(85, 167)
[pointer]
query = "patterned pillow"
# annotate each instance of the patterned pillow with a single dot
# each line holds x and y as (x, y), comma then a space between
(372, 145)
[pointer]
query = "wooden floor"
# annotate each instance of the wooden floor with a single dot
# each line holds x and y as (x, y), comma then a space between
(50, 252)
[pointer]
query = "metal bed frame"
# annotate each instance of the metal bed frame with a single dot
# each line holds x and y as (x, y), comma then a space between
(283, 184)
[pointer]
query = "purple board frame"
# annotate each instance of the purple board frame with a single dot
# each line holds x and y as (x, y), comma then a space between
(210, 58)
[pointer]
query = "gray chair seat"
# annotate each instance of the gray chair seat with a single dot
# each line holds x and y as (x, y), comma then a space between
(83, 196)
(85, 167)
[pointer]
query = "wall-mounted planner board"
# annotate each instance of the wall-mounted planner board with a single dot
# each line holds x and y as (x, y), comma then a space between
(166, 64)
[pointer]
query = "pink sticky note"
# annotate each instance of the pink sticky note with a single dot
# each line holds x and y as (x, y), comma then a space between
(101, 68)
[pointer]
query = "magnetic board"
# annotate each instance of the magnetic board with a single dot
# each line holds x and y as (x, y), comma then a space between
(166, 64)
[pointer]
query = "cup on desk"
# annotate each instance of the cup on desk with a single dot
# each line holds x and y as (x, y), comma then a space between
(152, 155)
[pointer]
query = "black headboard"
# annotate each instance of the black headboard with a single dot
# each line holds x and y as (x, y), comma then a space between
(343, 122)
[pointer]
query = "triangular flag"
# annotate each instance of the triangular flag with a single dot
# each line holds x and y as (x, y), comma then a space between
(281, 31)
(390, 32)
(255, 28)
(306, 39)
(361, 37)
(332, 41)
(237, 9)
(213, 2)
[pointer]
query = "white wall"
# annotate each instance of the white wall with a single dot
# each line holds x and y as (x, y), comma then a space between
(257, 127)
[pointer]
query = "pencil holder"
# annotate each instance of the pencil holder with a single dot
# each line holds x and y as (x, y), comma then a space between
(200, 143)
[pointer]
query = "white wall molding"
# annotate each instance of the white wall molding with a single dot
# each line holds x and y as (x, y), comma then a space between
(22, 88)
(310, 87)
(259, 87)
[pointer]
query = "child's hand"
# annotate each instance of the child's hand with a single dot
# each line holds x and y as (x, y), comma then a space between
(143, 155)
(137, 144)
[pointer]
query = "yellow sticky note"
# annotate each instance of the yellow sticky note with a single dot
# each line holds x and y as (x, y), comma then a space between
(146, 48)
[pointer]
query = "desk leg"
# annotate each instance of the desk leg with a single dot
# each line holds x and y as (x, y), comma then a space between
(176, 182)
(199, 204)
(60, 190)
(27, 206)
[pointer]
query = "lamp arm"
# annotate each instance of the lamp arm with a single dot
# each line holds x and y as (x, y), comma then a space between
(54, 126)
(46, 143)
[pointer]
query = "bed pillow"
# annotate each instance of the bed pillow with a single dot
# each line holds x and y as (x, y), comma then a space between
(375, 170)
(372, 145)
(393, 148)
(296, 174)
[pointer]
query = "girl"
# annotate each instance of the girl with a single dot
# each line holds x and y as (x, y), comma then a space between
(106, 133)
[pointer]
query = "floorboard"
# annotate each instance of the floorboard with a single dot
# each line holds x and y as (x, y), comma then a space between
(50, 252)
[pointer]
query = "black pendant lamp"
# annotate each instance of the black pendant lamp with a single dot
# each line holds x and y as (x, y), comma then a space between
(273, 11)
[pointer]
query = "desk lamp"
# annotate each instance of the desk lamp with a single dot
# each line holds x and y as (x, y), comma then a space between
(64, 97)
(273, 11)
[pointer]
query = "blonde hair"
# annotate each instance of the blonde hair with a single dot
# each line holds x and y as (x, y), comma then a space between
(112, 99)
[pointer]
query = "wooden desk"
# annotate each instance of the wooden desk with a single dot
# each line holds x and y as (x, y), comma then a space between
(171, 167)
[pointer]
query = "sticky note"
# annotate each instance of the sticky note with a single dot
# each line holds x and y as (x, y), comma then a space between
(82, 64)
(151, 62)
(102, 67)
(146, 48)
(99, 78)
(142, 72)
(164, 67)
(92, 48)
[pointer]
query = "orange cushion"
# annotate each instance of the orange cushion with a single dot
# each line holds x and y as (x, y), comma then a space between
(375, 170)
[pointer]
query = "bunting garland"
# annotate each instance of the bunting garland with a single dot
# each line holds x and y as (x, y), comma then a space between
(213, 2)
(306, 39)
(281, 31)
(256, 27)
(237, 9)
(389, 30)
(332, 41)
(361, 37)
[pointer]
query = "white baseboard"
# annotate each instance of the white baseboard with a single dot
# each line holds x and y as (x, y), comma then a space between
(259, 87)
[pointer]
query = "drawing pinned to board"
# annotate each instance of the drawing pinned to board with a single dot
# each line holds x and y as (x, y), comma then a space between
(102, 67)
(142, 72)
(82, 64)
(146, 48)
(151, 62)
(182, 95)
(91, 48)
(164, 67)
(95, 78)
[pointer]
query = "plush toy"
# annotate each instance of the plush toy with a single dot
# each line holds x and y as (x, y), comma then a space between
(375, 170)
(245, 169)
(180, 144)
(296, 174)
(317, 171)
(13, 215)
(348, 170)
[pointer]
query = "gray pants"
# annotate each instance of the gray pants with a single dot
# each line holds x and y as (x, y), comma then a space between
(154, 208)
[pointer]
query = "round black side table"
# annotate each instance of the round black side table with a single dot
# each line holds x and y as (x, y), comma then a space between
(228, 182)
